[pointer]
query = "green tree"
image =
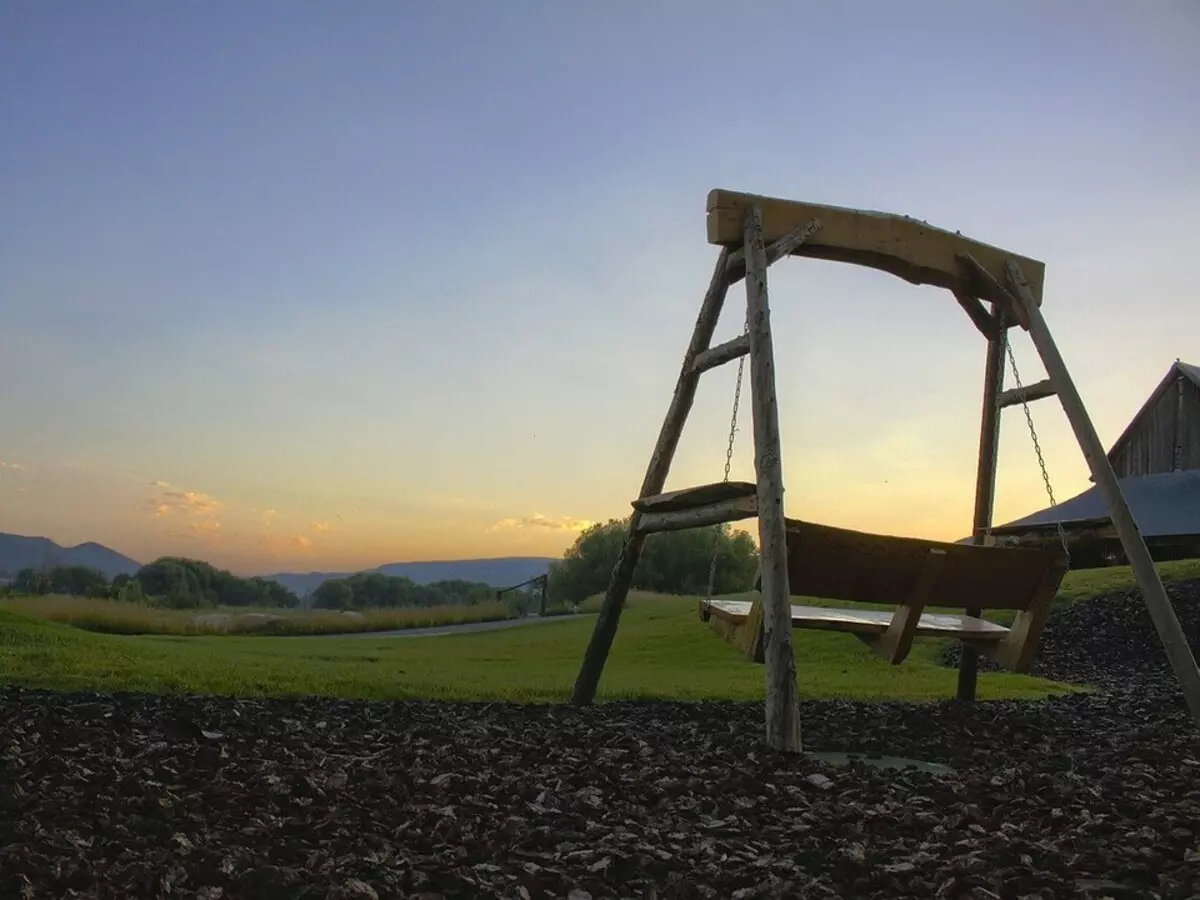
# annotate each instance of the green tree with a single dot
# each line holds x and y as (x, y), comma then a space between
(336, 593)
(182, 578)
(672, 562)
(31, 581)
(168, 576)
(130, 591)
(78, 581)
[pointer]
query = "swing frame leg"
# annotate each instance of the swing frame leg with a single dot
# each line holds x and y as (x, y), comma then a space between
(985, 485)
(621, 579)
(1162, 614)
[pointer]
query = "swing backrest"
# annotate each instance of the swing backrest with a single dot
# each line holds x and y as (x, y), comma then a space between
(841, 564)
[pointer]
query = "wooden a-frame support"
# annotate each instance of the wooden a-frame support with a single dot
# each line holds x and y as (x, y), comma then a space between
(755, 232)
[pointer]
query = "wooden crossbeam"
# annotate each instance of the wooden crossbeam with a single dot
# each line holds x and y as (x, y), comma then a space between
(1039, 390)
(693, 497)
(721, 354)
(909, 248)
(699, 517)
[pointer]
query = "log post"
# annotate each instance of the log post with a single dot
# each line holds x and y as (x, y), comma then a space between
(782, 708)
(656, 476)
(1183, 663)
(985, 481)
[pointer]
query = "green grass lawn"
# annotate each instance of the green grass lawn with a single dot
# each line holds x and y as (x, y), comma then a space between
(1091, 582)
(662, 651)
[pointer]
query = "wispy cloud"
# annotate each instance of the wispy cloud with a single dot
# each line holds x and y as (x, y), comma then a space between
(189, 515)
(277, 542)
(321, 527)
(169, 500)
(12, 466)
(538, 521)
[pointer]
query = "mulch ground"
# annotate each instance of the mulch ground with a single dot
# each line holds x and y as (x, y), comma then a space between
(1091, 796)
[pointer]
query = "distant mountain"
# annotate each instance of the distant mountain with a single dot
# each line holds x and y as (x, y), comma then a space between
(18, 552)
(499, 572)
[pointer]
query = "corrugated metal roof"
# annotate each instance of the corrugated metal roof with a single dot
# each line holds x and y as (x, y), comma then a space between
(1167, 504)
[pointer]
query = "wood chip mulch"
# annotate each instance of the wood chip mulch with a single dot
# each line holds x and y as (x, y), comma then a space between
(132, 796)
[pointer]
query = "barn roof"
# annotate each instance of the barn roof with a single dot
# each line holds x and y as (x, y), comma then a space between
(1166, 504)
(1189, 371)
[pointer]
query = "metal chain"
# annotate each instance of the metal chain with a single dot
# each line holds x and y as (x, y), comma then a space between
(733, 419)
(1037, 447)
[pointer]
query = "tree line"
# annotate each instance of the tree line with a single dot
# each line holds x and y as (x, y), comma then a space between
(673, 562)
(169, 581)
(374, 589)
(181, 583)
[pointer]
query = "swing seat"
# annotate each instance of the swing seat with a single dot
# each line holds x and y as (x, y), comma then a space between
(909, 574)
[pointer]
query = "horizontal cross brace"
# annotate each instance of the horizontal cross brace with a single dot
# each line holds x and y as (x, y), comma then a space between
(697, 517)
(1036, 391)
(721, 354)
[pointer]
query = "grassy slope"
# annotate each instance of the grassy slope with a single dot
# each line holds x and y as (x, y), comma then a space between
(662, 651)
(1091, 582)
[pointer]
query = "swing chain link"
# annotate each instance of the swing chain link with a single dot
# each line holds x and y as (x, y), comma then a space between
(1037, 448)
(733, 429)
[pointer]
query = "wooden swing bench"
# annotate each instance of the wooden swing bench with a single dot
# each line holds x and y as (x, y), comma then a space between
(910, 574)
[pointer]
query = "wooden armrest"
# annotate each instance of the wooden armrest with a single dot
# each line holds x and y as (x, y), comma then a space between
(1017, 650)
(895, 643)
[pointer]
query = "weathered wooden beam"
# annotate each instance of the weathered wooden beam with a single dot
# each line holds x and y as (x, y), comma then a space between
(699, 517)
(1039, 390)
(691, 497)
(657, 470)
(985, 485)
(987, 324)
(906, 247)
(721, 354)
(782, 706)
(985, 284)
(1166, 623)
(776, 250)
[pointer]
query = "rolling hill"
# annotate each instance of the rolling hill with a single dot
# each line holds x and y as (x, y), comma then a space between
(19, 552)
(499, 572)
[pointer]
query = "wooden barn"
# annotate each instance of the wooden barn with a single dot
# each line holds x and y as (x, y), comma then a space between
(1165, 434)
(1157, 459)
